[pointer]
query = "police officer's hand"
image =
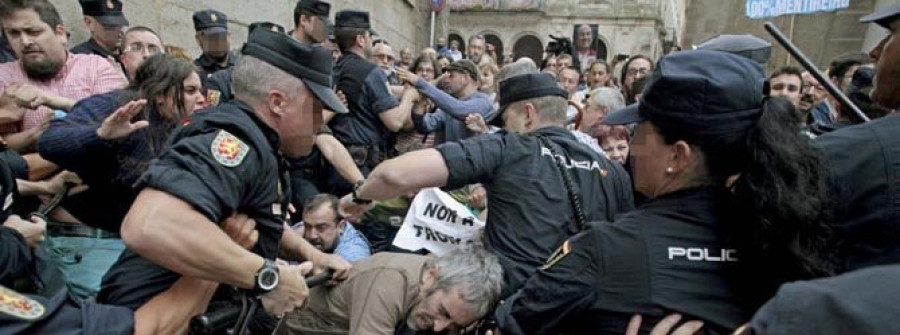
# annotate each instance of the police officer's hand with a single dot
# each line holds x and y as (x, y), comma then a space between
(242, 230)
(352, 210)
(337, 264)
(291, 292)
(478, 197)
(32, 231)
(58, 183)
(664, 327)
(475, 123)
(119, 125)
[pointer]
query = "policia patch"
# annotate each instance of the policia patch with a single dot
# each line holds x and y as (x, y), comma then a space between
(228, 150)
(558, 255)
(13, 303)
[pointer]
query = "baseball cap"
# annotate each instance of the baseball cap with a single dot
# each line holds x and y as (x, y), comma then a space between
(883, 17)
(701, 93)
(210, 21)
(310, 63)
(465, 66)
(108, 12)
(353, 19)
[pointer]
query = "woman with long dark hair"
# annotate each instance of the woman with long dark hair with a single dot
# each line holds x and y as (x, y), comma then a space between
(736, 206)
(109, 139)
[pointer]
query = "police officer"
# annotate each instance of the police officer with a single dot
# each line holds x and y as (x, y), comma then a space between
(374, 112)
(862, 163)
(214, 39)
(311, 19)
(104, 19)
(718, 233)
(526, 172)
(226, 159)
(218, 87)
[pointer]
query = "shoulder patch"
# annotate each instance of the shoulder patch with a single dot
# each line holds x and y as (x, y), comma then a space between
(558, 255)
(15, 304)
(228, 149)
(213, 97)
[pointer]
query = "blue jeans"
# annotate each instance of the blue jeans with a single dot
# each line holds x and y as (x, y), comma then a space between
(83, 261)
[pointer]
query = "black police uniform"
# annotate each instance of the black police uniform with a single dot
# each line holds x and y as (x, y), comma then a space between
(218, 85)
(661, 258)
(108, 13)
(15, 257)
(211, 21)
(207, 67)
(190, 170)
(365, 86)
(529, 210)
(863, 164)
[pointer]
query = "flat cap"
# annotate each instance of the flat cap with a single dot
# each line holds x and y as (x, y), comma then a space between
(752, 47)
(353, 19)
(528, 86)
(883, 17)
(108, 12)
(465, 66)
(310, 63)
(265, 25)
(210, 21)
(700, 93)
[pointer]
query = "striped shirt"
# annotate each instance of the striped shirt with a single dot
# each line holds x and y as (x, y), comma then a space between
(82, 76)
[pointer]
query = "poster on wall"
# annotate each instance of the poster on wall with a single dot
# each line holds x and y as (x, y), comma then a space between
(587, 44)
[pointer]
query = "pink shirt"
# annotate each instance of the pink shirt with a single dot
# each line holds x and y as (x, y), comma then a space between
(82, 76)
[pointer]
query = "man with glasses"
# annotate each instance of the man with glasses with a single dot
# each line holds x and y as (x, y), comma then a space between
(104, 19)
(324, 228)
(138, 44)
(814, 101)
(384, 57)
(637, 67)
(214, 39)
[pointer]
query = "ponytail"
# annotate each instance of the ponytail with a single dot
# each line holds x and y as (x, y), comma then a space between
(783, 189)
(782, 227)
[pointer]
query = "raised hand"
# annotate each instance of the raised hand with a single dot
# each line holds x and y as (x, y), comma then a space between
(119, 125)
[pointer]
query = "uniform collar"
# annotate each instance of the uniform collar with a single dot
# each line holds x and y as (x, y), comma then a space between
(206, 62)
(270, 134)
(553, 131)
(96, 48)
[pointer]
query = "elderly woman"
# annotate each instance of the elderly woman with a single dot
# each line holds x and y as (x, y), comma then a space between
(736, 203)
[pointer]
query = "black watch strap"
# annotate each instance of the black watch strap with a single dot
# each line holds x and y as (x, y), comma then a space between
(355, 196)
(268, 269)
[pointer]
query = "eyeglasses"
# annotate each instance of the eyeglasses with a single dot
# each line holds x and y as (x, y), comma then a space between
(642, 71)
(141, 48)
(384, 56)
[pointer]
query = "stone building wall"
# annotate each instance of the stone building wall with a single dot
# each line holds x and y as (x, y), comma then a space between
(625, 26)
(405, 23)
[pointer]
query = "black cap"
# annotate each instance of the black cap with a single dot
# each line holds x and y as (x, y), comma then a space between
(755, 48)
(355, 19)
(703, 93)
(210, 21)
(314, 7)
(465, 66)
(528, 86)
(108, 12)
(310, 63)
(883, 17)
(265, 25)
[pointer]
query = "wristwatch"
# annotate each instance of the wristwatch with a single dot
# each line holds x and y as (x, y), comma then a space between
(355, 196)
(266, 278)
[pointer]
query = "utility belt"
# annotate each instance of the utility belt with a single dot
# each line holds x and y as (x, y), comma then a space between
(57, 229)
(368, 155)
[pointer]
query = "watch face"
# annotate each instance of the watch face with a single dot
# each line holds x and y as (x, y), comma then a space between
(268, 279)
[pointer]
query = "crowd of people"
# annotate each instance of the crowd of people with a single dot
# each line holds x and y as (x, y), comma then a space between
(693, 192)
